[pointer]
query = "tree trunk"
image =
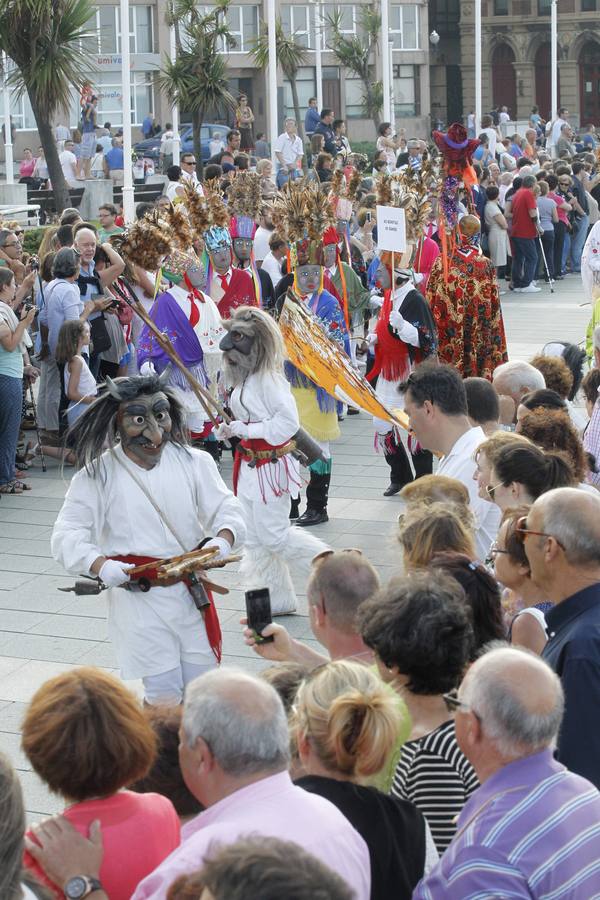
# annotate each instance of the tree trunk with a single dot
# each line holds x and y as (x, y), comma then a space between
(60, 187)
(372, 110)
(196, 129)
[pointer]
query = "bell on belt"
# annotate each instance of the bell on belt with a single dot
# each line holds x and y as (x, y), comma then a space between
(85, 587)
(307, 449)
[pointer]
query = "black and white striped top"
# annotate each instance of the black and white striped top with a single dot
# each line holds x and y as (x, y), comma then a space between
(435, 775)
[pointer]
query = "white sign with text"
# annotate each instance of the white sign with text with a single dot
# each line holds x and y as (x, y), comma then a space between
(391, 229)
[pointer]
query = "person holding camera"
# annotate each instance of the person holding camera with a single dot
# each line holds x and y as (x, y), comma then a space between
(14, 365)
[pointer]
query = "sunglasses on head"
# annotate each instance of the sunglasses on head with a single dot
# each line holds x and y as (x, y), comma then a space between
(325, 553)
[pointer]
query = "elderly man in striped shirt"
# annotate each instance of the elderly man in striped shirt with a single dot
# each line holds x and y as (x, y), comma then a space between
(533, 828)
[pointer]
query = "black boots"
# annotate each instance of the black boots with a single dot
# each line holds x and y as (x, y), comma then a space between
(400, 470)
(317, 493)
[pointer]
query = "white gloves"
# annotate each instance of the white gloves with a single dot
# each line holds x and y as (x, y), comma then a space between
(114, 573)
(396, 320)
(231, 429)
(223, 546)
(371, 338)
(147, 368)
(376, 300)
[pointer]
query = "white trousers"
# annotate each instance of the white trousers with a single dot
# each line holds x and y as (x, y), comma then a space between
(273, 546)
(167, 689)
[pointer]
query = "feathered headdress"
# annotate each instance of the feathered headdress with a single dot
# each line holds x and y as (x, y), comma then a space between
(196, 205)
(146, 242)
(303, 213)
(244, 199)
(217, 211)
(179, 225)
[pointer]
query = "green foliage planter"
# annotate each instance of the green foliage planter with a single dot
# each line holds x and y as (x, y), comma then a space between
(32, 239)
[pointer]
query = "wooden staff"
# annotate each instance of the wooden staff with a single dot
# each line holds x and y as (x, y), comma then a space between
(165, 344)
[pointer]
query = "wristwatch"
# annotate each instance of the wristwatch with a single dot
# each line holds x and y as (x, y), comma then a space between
(80, 886)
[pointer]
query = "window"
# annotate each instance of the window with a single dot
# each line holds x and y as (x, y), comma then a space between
(404, 27)
(106, 25)
(346, 16)
(588, 5)
(544, 7)
(242, 22)
(406, 90)
(110, 108)
(500, 7)
(355, 106)
(299, 21)
(305, 83)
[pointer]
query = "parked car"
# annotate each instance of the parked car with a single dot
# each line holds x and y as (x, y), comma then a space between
(151, 146)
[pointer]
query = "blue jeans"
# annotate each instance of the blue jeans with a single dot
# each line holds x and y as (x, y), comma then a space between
(283, 177)
(525, 261)
(577, 242)
(11, 409)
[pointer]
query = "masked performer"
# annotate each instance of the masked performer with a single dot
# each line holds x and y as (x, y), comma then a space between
(306, 214)
(244, 198)
(228, 286)
(466, 307)
(265, 472)
(147, 497)
(404, 336)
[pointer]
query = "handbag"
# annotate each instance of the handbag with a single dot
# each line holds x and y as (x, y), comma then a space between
(99, 336)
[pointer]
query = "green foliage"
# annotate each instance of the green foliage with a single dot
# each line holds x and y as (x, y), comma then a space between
(46, 40)
(32, 239)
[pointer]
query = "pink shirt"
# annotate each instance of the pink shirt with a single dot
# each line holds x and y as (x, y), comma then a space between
(138, 832)
(274, 807)
(26, 168)
(562, 213)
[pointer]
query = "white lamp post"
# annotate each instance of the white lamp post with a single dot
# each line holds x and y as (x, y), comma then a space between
(385, 60)
(392, 97)
(128, 201)
(478, 107)
(8, 147)
(174, 108)
(272, 76)
(318, 49)
(554, 59)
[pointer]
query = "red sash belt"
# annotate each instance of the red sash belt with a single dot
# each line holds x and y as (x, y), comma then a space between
(251, 444)
(209, 613)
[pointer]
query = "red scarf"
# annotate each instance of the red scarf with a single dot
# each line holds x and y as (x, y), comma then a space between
(209, 613)
(391, 354)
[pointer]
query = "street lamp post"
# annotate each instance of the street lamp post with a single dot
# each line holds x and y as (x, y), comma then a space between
(478, 107)
(392, 97)
(385, 60)
(318, 51)
(174, 108)
(8, 147)
(128, 201)
(554, 59)
(272, 76)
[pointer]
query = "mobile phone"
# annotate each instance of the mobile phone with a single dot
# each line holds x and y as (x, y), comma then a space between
(258, 610)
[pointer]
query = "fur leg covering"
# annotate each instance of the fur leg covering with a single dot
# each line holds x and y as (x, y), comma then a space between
(261, 568)
(300, 550)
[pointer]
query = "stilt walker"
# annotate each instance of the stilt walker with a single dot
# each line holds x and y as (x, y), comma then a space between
(265, 471)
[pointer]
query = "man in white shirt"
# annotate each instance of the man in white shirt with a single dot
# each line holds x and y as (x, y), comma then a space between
(436, 404)
(504, 116)
(263, 234)
(289, 151)
(273, 260)
(493, 135)
(555, 129)
(68, 162)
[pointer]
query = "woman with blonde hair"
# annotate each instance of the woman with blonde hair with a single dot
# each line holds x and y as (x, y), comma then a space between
(434, 528)
(435, 488)
(345, 724)
(485, 456)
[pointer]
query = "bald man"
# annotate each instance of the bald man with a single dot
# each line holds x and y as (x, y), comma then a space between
(562, 543)
(234, 756)
(532, 829)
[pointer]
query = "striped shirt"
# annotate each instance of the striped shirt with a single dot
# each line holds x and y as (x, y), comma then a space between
(531, 831)
(434, 774)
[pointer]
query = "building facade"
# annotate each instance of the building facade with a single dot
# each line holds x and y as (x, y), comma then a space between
(149, 43)
(516, 57)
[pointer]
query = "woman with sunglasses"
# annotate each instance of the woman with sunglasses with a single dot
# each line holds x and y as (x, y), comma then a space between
(345, 723)
(524, 604)
(520, 474)
(486, 454)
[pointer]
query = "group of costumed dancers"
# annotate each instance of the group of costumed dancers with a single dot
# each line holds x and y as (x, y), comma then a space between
(214, 374)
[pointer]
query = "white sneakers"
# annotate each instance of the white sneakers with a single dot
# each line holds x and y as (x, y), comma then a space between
(530, 289)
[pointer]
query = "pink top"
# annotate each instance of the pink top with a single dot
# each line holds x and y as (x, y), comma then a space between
(26, 168)
(562, 213)
(275, 807)
(138, 832)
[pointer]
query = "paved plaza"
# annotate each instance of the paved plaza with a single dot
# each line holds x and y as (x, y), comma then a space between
(44, 632)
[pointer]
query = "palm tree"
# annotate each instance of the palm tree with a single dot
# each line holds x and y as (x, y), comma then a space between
(354, 54)
(198, 80)
(45, 39)
(290, 56)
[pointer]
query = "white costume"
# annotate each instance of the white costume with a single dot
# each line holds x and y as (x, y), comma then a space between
(109, 515)
(590, 264)
(265, 403)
